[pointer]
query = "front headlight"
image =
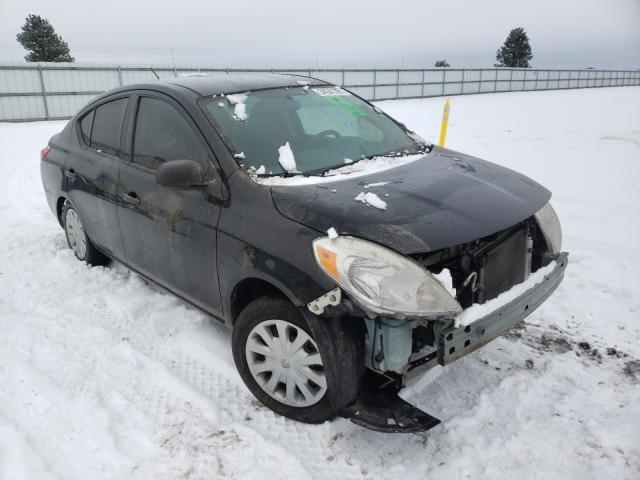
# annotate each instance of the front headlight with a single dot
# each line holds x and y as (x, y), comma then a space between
(551, 229)
(382, 281)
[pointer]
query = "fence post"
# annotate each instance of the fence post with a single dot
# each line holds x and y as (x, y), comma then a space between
(397, 84)
(342, 77)
(44, 96)
(422, 91)
(375, 82)
(569, 81)
(480, 82)
(462, 84)
(510, 79)
(444, 80)
(120, 74)
(548, 75)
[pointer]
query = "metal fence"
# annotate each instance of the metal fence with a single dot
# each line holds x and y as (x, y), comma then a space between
(50, 91)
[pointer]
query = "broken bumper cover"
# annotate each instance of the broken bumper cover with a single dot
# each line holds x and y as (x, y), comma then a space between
(457, 342)
(379, 407)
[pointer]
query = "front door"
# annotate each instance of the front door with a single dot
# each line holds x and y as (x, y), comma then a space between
(169, 235)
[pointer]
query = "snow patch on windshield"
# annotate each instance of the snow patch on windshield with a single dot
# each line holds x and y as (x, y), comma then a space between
(366, 166)
(286, 158)
(477, 311)
(261, 170)
(372, 200)
(238, 100)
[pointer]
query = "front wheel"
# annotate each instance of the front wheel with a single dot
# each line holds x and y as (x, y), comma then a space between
(290, 369)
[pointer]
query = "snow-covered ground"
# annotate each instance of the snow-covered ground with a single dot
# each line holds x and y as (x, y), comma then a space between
(103, 376)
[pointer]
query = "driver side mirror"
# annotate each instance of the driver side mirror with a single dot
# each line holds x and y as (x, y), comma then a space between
(181, 174)
(185, 174)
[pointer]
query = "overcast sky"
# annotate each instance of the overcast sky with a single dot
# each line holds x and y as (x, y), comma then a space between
(383, 33)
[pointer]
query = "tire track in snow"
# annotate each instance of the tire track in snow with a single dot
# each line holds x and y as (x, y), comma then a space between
(108, 300)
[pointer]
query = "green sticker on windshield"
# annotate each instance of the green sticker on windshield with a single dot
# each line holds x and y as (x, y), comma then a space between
(347, 106)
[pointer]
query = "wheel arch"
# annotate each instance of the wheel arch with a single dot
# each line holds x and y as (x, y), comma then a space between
(250, 288)
(59, 207)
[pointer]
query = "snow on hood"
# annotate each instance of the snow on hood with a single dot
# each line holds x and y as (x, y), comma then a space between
(371, 199)
(441, 199)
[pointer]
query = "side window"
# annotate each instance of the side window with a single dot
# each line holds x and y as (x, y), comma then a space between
(107, 125)
(85, 127)
(163, 134)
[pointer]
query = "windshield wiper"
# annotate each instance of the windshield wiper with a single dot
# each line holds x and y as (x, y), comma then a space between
(389, 154)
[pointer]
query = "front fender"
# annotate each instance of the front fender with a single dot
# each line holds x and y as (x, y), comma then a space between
(256, 241)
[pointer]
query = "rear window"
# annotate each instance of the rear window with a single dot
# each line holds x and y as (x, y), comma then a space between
(107, 125)
(85, 127)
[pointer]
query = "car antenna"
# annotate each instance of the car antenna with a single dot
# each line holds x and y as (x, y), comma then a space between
(154, 72)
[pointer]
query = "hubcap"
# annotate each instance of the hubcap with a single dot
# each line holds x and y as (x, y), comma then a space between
(285, 362)
(75, 233)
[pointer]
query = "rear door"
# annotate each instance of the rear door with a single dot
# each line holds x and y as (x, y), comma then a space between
(169, 235)
(92, 172)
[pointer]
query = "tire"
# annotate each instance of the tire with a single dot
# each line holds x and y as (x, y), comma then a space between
(333, 382)
(78, 240)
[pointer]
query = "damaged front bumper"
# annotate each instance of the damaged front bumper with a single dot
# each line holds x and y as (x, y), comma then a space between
(455, 343)
(380, 408)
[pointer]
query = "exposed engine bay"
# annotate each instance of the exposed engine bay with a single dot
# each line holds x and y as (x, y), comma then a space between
(479, 271)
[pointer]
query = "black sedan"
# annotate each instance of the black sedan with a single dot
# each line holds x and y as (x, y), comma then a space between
(346, 253)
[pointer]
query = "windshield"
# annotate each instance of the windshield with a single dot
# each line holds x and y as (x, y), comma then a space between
(305, 129)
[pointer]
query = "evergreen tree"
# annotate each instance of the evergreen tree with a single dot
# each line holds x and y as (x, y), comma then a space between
(516, 51)
(442, 64)
(40, 39)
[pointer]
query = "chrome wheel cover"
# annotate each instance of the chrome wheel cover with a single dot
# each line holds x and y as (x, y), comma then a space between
(285, 362)
(75, 233)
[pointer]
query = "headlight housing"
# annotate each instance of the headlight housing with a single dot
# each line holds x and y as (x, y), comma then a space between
(551, 230)
(382, 281)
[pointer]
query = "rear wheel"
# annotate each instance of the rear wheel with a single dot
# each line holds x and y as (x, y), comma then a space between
(77, 238)
(290, 369)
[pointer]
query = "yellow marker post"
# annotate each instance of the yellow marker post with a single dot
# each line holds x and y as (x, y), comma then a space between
(445, 122)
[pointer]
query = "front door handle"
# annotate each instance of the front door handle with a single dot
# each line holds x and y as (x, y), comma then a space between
(132, 198)
(71, 174)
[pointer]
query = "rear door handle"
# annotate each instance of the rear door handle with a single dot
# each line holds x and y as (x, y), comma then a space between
(132, 198)
(71, 174)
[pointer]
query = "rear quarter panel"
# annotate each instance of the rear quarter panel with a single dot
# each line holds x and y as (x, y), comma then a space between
(53, 166)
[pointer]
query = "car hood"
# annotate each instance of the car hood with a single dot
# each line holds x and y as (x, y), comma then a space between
(442, 199)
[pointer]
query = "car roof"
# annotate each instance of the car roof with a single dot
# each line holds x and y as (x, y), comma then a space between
(217, 83)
